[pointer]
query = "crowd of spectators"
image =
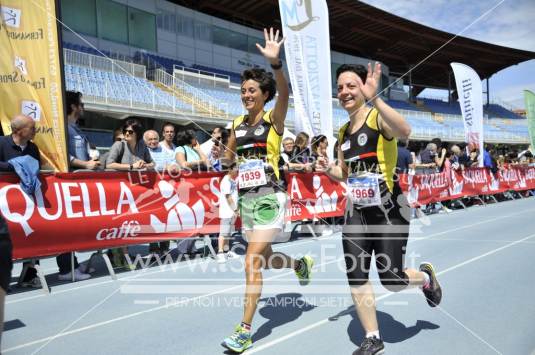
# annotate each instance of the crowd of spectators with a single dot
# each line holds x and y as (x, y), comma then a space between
(437, 156)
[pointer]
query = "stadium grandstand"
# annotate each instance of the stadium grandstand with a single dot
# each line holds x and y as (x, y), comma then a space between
(181, 61)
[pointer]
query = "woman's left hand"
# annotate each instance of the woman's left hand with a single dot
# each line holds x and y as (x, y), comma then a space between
(369, 90)
(273, 45)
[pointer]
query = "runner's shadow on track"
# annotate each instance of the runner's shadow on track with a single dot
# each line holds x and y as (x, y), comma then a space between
(279, 310)
(392, 331)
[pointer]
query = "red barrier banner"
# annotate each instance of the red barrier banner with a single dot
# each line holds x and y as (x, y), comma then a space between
(314, 196)
(98, 210)
(424, 189)
(91, 211)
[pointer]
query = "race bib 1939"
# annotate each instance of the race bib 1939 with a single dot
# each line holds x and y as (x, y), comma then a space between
(251, 174)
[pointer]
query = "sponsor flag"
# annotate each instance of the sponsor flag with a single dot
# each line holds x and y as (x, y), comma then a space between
(305, 25)
(470, 98)
(530, 114)
(30, 75)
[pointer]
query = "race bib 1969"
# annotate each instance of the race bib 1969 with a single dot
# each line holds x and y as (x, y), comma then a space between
(364, 190)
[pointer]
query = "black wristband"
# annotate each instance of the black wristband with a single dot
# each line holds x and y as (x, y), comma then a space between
(277, 66)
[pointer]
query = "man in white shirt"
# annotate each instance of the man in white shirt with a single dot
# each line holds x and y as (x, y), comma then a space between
(162, 159)
(228, 211)
(214, 147)
(168, 134)
(216, 135)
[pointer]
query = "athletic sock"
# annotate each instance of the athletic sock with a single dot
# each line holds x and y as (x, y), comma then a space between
(373, 334)
(427, 280)
(246, 327)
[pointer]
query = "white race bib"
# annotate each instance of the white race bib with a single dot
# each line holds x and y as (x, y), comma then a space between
(364, 190)
(251, 174)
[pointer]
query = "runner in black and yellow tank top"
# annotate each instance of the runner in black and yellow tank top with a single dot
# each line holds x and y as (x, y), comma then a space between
(255, 141)
(378, 215)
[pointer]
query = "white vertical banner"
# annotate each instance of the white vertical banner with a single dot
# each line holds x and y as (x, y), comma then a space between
(305, 24)
(470, 94)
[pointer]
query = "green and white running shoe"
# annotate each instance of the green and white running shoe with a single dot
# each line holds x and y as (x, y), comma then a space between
(304, 273)
(239, 341)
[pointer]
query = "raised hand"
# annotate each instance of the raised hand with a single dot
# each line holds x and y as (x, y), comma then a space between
(369, 90)
(272, 48)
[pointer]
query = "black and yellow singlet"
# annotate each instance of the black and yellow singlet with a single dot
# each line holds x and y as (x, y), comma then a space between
(260, 141)
(367, 150)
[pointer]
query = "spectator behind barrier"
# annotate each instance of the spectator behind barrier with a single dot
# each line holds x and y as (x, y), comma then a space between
(132, 153)
(217, 134)
(19, 144)
(300, 157)
(287, 149)
(189, 154)
(473, 154)
(405, 161)
(162, 160)
(214, 148)
(456, 157)
(319, 153)
(427, 164)
(117, 137)
(168, 142)
(78, 145)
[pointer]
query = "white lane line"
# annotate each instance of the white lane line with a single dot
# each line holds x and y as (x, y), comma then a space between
(135, 314)
(471, 225)
(158, 269)
(396, 303)
(147, 302)
(325, 321)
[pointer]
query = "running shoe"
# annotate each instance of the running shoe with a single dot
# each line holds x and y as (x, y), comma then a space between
(433, 292)
(220, 258)
(33, 283)
(239, 341)
(232, 255)
(370, 346)
(304, 274)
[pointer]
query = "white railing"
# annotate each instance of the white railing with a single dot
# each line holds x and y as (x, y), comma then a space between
(415, 114)
(96, 62)
(201, 77)
(202, 103)
(125, 95)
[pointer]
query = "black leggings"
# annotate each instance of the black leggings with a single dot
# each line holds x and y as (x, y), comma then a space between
(6, 263)
(383, 230)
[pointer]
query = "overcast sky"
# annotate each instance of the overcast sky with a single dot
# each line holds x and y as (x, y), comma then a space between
(510, 24)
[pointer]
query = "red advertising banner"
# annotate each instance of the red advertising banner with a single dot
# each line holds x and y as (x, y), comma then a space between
(98, 210)
(91, 211)
(425, 189)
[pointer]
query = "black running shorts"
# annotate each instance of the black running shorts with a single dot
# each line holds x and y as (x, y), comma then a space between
(382, 230)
